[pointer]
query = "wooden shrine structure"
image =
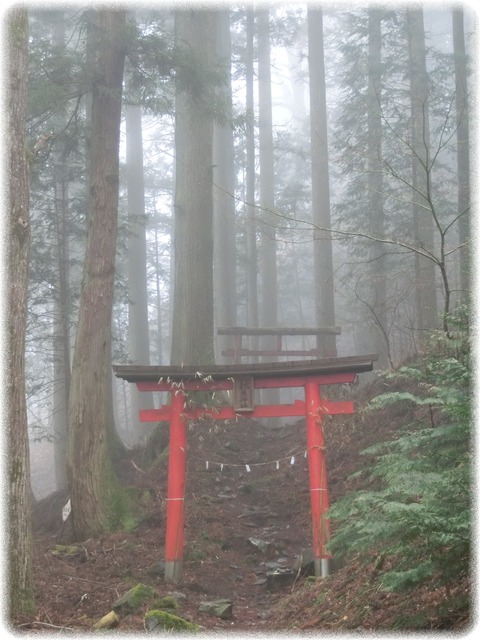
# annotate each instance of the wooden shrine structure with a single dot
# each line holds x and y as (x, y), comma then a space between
(238, 349)
(241, 381)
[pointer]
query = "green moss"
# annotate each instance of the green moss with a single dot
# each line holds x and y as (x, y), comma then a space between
(133, 599)
(21, 601)
(121, 510)
(157, 620)
(196, 555)
(167, 602)
(69, 550)
(147, 497)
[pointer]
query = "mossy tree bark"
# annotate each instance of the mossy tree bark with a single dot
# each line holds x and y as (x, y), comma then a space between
(96, 497)
(20, 593)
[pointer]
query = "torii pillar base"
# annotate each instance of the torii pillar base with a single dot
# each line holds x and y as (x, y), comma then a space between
(173, 571)
(322, 567)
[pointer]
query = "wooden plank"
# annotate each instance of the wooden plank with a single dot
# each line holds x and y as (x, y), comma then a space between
(272, 352)
(266, 382)
(243, 394)
(296, 409)
(300, 381)
(279, 331)
(137, 373)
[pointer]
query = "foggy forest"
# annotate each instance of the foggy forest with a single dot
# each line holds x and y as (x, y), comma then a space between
(178, 173)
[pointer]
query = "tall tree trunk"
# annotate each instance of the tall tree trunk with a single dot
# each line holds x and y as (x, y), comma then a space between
(252, 257)
(61, 314)
(94, 490)
(268, 256)
(322, 242)
(158, 302)
(193, 324)
(138, 329)
(299, 111)
(268, 260)
(426, 302)
(61, 338)
(223, 194)
(463, 149)
(377, 302)
(20, 584)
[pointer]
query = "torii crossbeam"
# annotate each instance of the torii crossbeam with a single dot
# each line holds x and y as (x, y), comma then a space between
(242, 380)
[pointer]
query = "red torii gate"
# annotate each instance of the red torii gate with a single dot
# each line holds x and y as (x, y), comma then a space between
(242, 380)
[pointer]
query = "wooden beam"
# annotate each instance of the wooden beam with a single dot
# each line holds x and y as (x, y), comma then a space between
(279, 331)
(232, 353)
(297, 409)
(139, 373)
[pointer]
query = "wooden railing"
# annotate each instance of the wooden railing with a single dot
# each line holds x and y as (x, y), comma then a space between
(238, 350)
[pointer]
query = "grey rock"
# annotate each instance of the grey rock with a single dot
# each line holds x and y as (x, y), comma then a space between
(221, 608)
(261, 545)
(157, 569)
(232, 446)
(273, 565)
(304, 563)
(279, 579)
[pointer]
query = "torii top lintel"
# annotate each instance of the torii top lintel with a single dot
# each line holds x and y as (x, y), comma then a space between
(243, 379)
(218, 372)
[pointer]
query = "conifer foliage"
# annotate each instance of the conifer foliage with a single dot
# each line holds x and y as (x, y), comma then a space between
(417, 507)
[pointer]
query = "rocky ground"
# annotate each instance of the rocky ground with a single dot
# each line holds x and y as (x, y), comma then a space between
(241, 526)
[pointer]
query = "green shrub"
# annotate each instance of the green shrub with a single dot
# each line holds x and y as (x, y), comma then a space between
(418, 510)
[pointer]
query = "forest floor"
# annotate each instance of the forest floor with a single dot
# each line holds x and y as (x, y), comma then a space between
(225, 508)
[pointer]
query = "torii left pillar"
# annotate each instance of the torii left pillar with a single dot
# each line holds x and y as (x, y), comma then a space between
(176, 489)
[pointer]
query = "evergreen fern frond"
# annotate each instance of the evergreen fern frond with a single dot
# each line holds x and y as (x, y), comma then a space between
(388, 399)
(419, 512)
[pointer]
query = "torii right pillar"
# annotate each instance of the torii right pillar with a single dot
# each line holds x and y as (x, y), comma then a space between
(317, 468)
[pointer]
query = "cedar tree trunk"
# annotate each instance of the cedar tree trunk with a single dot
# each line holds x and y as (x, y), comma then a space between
(20, 594)
(93, 489)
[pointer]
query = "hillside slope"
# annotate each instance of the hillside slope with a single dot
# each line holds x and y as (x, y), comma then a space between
(240, 525)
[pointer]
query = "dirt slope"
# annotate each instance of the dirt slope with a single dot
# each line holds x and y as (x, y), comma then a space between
(226, 505)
